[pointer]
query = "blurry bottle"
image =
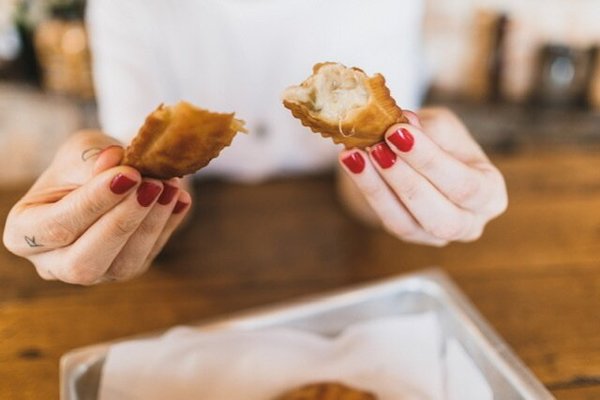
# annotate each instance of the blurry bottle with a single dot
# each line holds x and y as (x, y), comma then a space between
(62, 47)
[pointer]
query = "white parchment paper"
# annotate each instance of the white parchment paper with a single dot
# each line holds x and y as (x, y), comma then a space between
(403, 357)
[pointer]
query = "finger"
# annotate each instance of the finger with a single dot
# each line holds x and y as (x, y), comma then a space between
(430, 208)
(180, 210)
(131, 261)
(110, 157)
(36, 228)
(412, 118)
(437, 122)
(393, 215)
(462, 184)
(88, 259)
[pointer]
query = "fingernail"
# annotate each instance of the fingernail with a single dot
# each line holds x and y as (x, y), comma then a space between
(167, 194)
(402, 139)
(355, 162)
(121, 184)
(413, 118)
(383, 155)
(147, 193)
(112, 146)
(179, 207)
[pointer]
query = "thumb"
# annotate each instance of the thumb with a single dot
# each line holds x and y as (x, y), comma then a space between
(110, 157)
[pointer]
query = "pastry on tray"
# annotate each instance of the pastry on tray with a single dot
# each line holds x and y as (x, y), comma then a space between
(179, 140)
(344, 104)
(326, 391)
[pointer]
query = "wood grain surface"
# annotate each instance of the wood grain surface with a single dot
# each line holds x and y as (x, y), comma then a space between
(534, 275)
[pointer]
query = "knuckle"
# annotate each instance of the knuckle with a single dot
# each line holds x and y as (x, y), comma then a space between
(73, 144)
(435, 242)
(438, 243)
(58, 233)
(124, 226)
(122, 270)
(448, 230)
(465, 191)
(423, 238)
(80, 139)
(475, 234)
(410, 189)
(93, 204)
(44, 272)
(78, 275)
(8, 239)
(499, 206)
(76, 271)
(372, 190)
(498, 201)
(426, 162)
(399, 229)
(150, 227)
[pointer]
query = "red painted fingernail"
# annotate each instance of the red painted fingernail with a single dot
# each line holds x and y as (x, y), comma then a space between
(355, 162)
(402, 139)
(147, 193)
(121, 184)
(384, 156)
(167, 194)
(179, 207)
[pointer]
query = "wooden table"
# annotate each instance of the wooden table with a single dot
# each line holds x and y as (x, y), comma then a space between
(535, 274)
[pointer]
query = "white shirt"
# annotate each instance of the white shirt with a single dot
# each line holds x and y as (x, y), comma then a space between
(239, 55)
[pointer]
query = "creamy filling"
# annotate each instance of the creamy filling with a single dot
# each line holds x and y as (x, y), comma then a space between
(333, 92)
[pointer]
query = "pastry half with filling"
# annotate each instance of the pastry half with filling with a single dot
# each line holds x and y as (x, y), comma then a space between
(326, 391)
(179, 140)
(344, 104)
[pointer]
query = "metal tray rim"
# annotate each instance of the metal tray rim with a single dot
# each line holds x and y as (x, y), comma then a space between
(434, 280)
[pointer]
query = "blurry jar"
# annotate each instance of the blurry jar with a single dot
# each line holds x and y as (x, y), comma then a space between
(63, 52)
(563, 76)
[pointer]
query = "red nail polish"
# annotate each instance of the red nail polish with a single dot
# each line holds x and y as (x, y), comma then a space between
(383, 155)
(402, 139)
(167, 194)
(147, 193)
(355, 162)
(121, 184)
(179, 207)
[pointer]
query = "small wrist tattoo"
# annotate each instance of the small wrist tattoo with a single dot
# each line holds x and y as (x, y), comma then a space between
(31, 242)
(90, 153)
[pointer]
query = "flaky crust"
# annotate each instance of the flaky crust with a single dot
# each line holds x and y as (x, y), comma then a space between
(363, 126)
(326, 391)
(179, 140)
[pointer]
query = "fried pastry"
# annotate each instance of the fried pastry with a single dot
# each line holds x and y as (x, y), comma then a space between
(344, 104)
(179, 140)
(326, 391)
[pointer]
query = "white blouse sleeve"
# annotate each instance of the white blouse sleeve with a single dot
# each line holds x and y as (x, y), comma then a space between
(125, 65)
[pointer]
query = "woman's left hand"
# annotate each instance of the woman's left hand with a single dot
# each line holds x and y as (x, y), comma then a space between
(429, 182)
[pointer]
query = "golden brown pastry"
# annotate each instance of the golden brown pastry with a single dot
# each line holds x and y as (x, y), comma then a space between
(344, 104)
(326, 391)
(179, 140)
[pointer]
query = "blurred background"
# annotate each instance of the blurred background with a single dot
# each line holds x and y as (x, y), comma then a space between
(521, 73)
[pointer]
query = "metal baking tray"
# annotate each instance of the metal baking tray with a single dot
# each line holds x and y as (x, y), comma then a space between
(329, 314)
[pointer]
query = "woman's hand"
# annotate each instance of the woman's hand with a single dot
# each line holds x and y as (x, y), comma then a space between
(87, 220)
(429, 182)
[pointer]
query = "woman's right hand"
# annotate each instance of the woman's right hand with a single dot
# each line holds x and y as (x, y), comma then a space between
(88, 219)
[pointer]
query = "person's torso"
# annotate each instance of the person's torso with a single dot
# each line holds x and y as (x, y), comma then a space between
(239, 55)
